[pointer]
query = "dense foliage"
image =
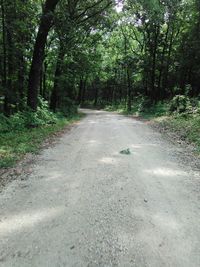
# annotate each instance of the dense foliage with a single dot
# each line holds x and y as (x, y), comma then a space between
(72, 52)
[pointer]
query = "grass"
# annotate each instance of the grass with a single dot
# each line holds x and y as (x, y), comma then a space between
(15, 144)
(156, 111)
(160, 109)
(186, 126)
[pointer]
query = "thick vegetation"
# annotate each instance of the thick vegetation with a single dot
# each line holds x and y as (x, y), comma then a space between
(132, 55)
(16, 140)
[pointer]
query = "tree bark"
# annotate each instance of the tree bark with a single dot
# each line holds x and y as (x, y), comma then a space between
(38, 53)
(4, 78)
(83, 92)
(80, 91)
(129, 90)
(21, 81)
(96, 96)
(166, 73)
(58, 72)
(10, 93)
(161, 89)
(44, 86)
(153, 71)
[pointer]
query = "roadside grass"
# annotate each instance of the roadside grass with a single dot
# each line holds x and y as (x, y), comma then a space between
(155, 111)
(15, 144)
(186, 126)
(150, 112)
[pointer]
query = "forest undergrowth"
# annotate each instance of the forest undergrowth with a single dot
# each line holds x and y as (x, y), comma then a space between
(180, 116)
(24, 132)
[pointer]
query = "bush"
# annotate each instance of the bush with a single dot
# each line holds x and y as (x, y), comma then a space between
(177, 90)
(144, 105)
(4, 123)
(188, 89)
(43, 115)
(179, 104)
(68, 107)
(28, 119)
(17, 121)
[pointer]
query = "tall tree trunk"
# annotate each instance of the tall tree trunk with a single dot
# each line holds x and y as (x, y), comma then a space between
(10, 18)
(96, 91)
(166, 76)
(42, 76)
(129, 90)
(154, 55)
(21, 81)
(44, 86)
(161, 90)
(96, 96)
(38, 52)
(58, 72)
(41, 81)
(4, 78)
(80, 91)
(83, 91)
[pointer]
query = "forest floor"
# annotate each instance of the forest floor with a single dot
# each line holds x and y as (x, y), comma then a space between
(86, 204)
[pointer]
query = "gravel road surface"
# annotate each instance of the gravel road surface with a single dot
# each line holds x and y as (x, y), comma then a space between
(87, 205)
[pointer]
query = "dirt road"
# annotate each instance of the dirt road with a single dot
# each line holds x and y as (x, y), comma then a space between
(85, 204)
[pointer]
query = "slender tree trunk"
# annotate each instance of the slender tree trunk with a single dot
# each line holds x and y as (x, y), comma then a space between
(153, 72)
(21, 81)
(10, 96)
(80, 90)
(96, 96)
(120, 86)
(38, 52)
(165, 78)
(129, 90)
(161, 90)
(83, 92)
(4, 78)
(44, 86)
(58, 72)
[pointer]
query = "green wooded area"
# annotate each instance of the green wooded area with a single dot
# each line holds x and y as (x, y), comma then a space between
(73, 52)
(127, 55)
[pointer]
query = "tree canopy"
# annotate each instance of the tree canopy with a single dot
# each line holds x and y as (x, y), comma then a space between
(72, 52)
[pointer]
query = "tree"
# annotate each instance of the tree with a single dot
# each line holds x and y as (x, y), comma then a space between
(38, 52)
(93, 53)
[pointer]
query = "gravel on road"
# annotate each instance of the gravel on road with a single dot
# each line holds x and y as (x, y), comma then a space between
(87, 204)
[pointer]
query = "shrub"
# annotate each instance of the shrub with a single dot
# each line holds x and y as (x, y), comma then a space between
(68, 107)
(188, 89)
(17, 121)
(44, 115)
(144, 105)
(177, 90)
(4, 123)
(28, 119)
(179, 104)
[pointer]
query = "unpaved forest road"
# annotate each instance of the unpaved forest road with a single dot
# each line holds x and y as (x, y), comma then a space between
(85, 204)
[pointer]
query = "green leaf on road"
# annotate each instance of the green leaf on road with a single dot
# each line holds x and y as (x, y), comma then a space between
(125, 152)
